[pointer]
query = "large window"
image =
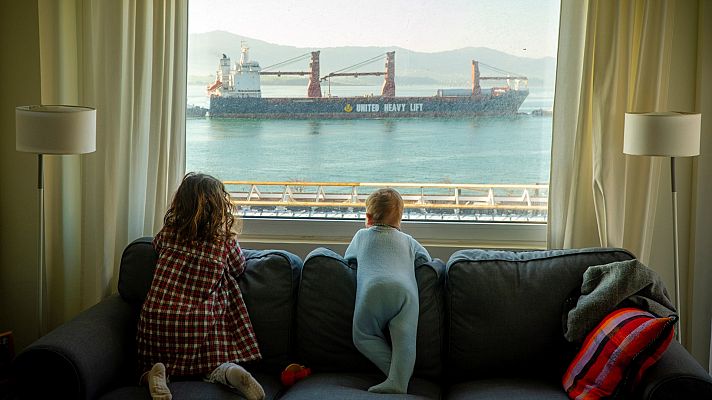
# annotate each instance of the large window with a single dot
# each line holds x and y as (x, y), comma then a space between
(304, 108)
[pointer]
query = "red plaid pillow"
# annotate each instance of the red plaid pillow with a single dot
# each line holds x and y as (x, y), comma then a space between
(626, 343)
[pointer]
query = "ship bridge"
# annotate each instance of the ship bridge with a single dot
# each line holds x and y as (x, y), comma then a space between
(240, 80)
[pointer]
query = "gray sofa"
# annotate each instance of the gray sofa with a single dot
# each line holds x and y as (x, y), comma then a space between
(489, 328)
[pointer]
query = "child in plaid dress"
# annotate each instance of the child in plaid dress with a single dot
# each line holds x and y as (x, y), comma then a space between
(194, 321)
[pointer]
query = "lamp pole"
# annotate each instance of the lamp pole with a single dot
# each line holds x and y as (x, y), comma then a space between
(676, 251)
(41, 247)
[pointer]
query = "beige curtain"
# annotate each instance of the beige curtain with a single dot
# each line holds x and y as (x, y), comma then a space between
(128, 60)
(614, 57)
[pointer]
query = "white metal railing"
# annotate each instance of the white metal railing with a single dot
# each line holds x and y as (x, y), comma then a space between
(422, 200)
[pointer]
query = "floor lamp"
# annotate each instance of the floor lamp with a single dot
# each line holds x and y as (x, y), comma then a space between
(667, 134)
(52, 129)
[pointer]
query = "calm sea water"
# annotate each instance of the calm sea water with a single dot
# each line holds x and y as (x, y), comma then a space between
(487, 150)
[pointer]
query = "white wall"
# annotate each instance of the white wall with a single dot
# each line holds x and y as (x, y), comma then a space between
(19, 85)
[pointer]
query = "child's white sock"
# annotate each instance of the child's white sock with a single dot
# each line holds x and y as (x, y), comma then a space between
(243, 381)
(157, 383)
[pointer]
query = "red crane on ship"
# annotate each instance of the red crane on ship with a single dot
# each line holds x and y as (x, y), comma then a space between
(314, 86)
(389, 84)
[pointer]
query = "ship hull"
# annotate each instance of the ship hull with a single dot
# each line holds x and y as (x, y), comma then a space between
(506, 103)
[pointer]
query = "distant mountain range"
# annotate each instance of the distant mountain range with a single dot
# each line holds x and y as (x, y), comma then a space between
(448, 68)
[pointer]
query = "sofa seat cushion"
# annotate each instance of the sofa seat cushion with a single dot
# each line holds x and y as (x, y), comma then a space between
(354, 386)
(507, 388)
(325, 309)
(198, 390)
(506, 310)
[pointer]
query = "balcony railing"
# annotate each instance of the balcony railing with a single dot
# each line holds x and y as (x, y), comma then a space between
(423, 201)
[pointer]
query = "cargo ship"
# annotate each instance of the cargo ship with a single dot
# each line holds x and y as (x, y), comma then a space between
(236, 93)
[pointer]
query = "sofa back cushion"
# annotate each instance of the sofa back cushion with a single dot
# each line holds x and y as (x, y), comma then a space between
(138, 261)
(505, 309)
(325, 309)
(269, 288)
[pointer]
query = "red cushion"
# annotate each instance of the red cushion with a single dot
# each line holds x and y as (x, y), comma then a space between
(617, 352)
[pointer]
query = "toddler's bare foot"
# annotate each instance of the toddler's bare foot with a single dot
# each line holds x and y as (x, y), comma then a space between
(388, 386)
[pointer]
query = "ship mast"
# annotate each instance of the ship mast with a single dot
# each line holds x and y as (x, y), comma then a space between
(314, 87)
(476, 89)
(389, 84)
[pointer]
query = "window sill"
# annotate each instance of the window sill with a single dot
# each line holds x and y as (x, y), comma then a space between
(509, 235)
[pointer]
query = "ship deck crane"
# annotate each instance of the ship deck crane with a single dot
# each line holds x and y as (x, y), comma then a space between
(280, 73)
(353, 74)
(313, 88)
(284, 63)
(339, 73)
(509, 75)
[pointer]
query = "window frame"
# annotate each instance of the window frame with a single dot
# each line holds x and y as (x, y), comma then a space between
(448, 233)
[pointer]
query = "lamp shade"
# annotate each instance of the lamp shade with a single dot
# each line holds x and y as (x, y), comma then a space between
(55, 129)
(671, 134)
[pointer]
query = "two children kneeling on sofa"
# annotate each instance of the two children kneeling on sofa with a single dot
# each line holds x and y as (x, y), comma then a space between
(184, 331)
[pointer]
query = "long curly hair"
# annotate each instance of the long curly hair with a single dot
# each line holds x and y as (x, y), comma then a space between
(201, 210)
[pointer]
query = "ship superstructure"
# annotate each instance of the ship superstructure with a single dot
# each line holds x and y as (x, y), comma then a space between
(239, 80)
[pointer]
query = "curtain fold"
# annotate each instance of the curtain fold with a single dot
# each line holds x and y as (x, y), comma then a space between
(616, 57)
(128, 60)
(612, 59)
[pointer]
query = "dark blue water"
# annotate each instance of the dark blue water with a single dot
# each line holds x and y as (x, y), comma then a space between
(485, 150)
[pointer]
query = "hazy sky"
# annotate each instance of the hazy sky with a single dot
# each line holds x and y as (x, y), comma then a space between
(527, 28)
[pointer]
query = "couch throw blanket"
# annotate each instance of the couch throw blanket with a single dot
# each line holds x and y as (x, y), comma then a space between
(605, 287)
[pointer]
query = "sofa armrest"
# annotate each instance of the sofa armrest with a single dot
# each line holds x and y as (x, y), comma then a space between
(677, 375)
(82, 358)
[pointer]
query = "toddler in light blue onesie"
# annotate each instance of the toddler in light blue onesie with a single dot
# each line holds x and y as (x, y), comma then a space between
(386, 290)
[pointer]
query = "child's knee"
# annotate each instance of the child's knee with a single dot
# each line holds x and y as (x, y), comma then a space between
(366, 329)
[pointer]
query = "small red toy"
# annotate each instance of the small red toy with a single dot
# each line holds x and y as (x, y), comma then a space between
(293, 373)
